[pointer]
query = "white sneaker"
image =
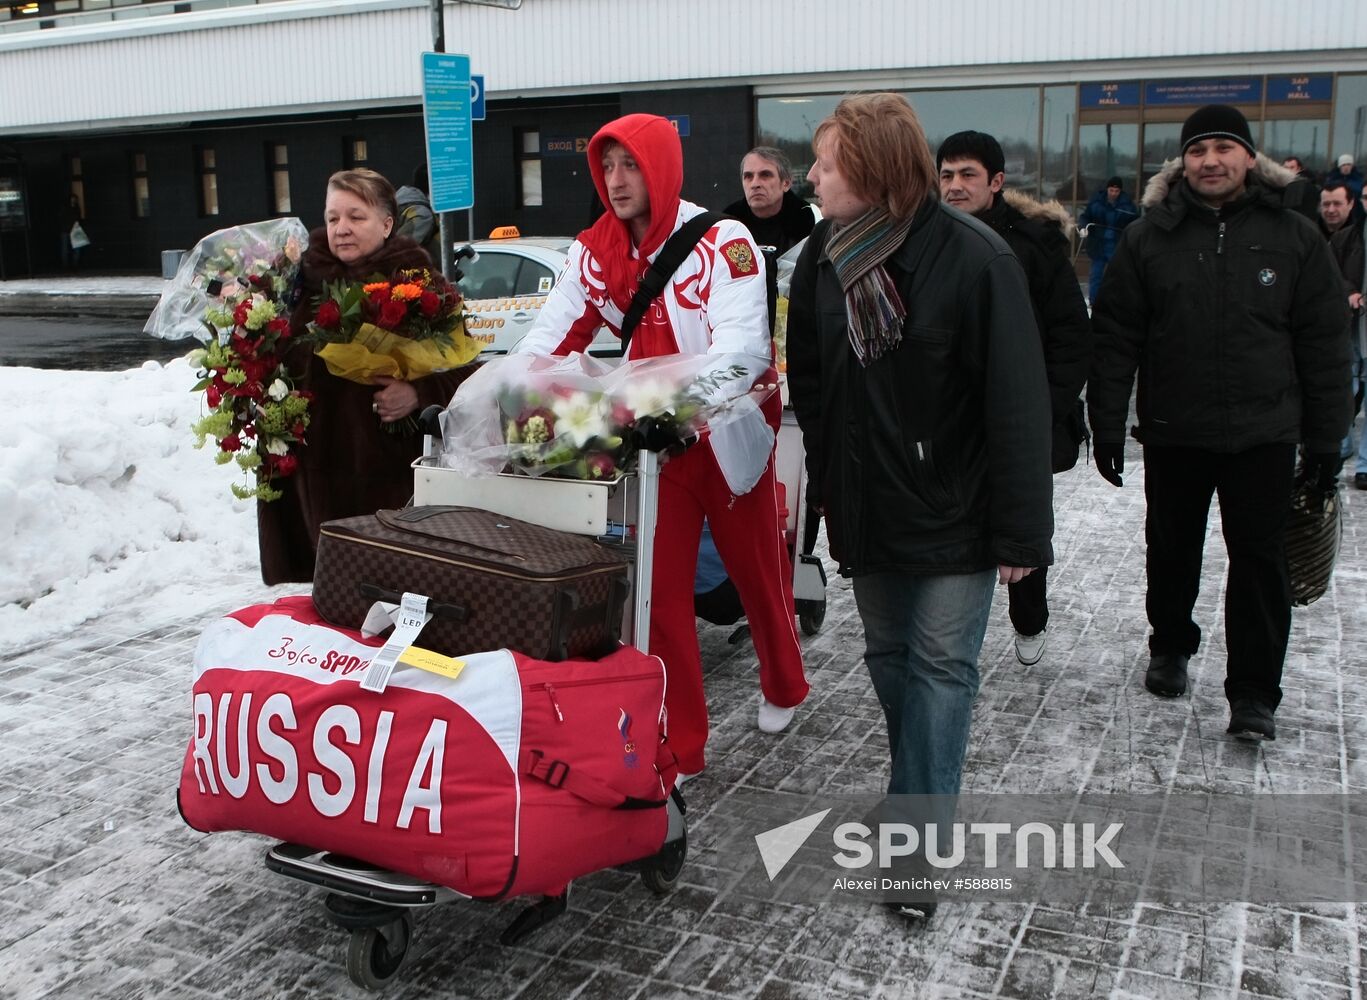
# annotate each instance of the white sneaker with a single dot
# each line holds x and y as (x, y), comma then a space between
(773, 719)
(1029, 648)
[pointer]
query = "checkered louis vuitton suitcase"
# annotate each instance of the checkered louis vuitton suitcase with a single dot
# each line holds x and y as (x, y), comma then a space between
(492, 582)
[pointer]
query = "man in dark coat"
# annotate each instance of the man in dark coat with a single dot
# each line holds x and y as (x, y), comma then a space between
(1345, 169)
(919, 385)
(1336, 207)
(1303, 193)
(1229, 305)
(972, 171)
(1103, 220)
(774, 215)
(1347, 246)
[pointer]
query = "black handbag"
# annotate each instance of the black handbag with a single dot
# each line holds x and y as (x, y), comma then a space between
(1313, 533)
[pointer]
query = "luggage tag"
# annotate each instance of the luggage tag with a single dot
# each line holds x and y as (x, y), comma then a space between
(432, 662)
(409, 618)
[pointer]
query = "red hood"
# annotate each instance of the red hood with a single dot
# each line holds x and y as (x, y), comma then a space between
(653, 143)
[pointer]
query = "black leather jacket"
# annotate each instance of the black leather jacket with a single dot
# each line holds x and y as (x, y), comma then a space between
(935, 458)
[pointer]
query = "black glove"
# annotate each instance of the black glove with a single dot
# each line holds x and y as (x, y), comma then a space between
(1110, 461)
(1322, 470)
(653, 434)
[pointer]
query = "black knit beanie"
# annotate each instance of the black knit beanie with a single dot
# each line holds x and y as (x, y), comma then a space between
(1217, 121)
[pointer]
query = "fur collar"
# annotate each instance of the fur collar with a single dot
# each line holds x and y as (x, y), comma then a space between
(1271, 173)
(1042, 212)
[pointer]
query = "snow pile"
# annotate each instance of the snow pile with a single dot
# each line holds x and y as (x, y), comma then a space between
(107, 506)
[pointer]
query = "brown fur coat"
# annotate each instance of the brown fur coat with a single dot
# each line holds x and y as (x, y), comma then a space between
(350, 465)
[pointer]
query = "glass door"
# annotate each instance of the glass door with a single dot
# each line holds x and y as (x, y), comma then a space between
(1106, 151)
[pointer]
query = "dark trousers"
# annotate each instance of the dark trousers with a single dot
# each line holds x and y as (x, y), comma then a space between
(1028, 602)
(1254, 488)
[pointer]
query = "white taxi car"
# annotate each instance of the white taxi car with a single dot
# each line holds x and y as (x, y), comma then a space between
(505, 280)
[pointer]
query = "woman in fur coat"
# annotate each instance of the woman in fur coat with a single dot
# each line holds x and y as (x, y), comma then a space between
(350, 464)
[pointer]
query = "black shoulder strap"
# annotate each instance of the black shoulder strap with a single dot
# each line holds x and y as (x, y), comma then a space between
(675, 250)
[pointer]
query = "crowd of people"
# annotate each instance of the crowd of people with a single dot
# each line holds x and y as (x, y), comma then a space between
(938, 345)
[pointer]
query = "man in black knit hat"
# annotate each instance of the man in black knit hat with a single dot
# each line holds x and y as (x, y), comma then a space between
(1228, 305)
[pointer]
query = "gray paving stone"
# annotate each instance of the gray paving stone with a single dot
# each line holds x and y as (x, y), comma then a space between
(103, 892)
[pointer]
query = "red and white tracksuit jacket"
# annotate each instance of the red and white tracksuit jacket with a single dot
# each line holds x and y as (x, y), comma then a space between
(714, 304)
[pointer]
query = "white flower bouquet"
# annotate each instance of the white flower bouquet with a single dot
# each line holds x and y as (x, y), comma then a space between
(577, 417)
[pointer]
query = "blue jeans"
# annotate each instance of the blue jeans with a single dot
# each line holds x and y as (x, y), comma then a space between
(1094, 279)
(1359, 375)
(922, 636)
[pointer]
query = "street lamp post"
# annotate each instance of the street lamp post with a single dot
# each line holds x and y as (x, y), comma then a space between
(438, 16)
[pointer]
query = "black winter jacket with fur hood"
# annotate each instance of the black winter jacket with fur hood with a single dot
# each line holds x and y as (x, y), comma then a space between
(1234, 319)
(1037, 232)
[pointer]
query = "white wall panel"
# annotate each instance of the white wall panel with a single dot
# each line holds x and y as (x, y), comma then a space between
(311, 54)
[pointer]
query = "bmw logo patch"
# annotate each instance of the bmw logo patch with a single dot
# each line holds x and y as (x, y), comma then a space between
(1267, 277)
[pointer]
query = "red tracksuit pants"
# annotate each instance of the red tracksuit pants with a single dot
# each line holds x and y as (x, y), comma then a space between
(749, 537)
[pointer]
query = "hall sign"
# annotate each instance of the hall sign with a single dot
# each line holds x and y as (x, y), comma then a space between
(1108, 95)
(1220, 90)
(1298, 89)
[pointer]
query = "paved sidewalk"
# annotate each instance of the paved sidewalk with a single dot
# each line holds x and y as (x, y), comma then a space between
(105, 893)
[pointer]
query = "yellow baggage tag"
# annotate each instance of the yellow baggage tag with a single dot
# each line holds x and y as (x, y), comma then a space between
(425, 659)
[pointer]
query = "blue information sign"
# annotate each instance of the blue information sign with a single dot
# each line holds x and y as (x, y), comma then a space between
(1218, 90)
(1296, 89)
(477, 97)
(446, 119)
(680, 123)
(1109, 95)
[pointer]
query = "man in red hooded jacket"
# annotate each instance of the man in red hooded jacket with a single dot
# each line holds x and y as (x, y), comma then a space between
(716, 304)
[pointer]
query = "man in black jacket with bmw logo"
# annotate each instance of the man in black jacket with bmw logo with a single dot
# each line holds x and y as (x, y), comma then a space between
(1228, 305)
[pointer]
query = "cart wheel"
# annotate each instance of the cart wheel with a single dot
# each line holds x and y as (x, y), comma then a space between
(810, 615)
(661, 873)
(376, 954)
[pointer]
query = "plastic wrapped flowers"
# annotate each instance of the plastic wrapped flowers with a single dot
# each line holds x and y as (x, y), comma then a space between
(576, 417)
(226, 267)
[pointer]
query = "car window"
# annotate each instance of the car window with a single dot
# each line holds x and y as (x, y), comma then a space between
(533, 279)
(492, 275)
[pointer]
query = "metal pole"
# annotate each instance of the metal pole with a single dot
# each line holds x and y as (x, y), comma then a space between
(444, 228)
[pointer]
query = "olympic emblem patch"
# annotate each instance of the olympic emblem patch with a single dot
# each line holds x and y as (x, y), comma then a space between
(740, 258)
(1267, 277)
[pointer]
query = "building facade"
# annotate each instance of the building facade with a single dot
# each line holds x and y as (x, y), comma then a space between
(167, 120)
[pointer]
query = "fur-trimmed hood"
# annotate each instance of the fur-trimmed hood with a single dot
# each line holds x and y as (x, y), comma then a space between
(1043, 212)
(1269, 172)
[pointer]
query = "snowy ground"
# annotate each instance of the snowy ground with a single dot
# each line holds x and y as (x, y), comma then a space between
(109, 507)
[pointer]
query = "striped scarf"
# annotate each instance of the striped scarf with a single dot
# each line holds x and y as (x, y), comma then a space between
(873, 308)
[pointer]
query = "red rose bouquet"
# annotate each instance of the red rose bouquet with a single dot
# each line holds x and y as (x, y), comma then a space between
(405, 326)
(257, 415)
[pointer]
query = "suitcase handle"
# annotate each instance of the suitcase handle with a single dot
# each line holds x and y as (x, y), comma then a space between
(447, 612)
(567, 616)
(404, 521)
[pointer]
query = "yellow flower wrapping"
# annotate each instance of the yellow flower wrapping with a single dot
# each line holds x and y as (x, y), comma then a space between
(375, 351)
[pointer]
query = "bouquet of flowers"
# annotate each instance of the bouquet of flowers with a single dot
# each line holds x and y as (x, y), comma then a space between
(405, 326)
(579, 418)
(235, 291)
(257, 258)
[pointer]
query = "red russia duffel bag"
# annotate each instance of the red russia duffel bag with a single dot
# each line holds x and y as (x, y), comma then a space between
(510, 778)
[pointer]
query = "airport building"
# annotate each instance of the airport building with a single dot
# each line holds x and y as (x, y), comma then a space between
(167, 119)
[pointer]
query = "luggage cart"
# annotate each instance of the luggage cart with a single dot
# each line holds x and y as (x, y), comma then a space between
(375, 905)
(721, 605)
(809, 575)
